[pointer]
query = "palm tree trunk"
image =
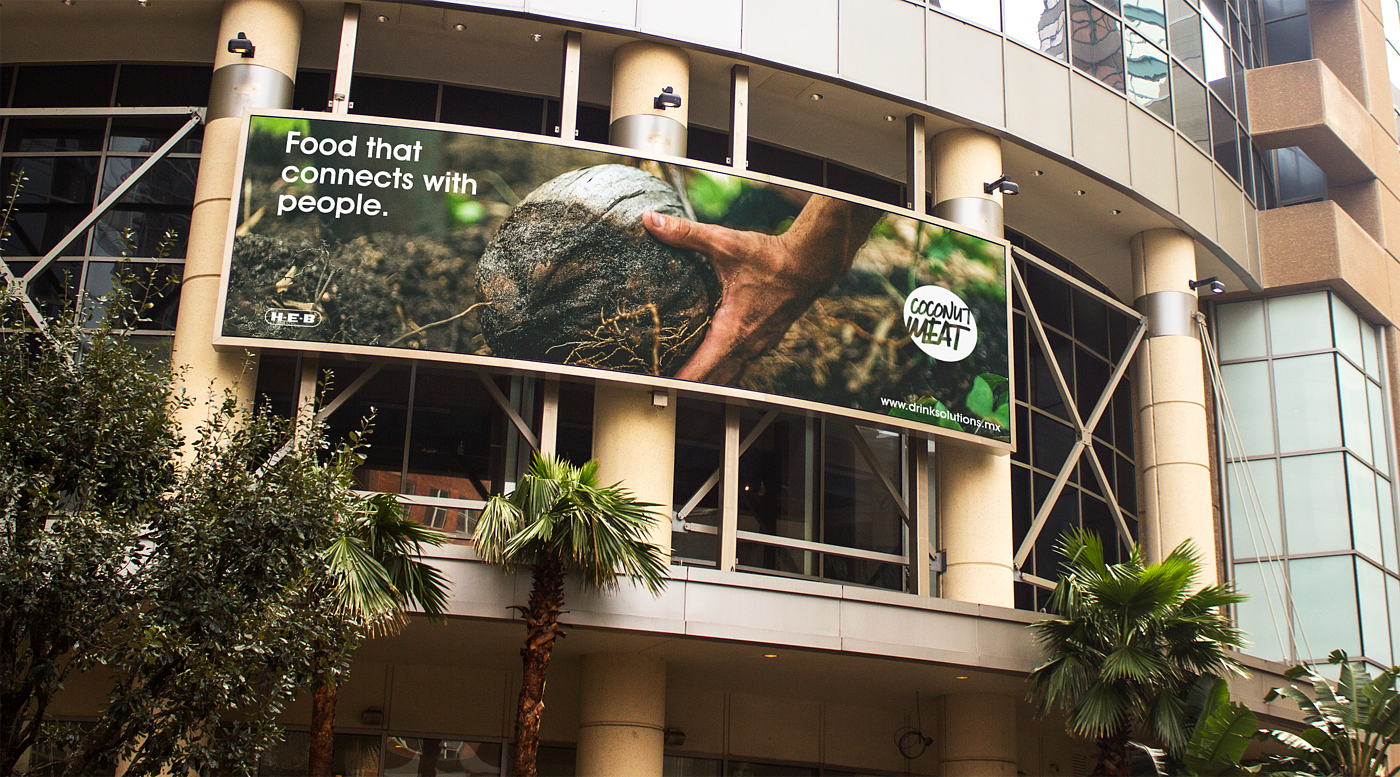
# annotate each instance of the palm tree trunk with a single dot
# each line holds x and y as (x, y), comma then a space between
(542, 628)
(1113, 755)
(322, 745)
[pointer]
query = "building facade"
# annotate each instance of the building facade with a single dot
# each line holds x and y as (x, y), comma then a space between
(846, 596)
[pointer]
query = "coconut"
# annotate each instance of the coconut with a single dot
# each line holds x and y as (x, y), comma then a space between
(573, 277)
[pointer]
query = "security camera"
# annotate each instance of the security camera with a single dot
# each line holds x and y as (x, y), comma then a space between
(241, 45)
(1001, 185)
(1213, 283)
(667, 99)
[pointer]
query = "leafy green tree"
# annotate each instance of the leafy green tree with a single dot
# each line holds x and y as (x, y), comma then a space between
(1131, 640)
(1221, 734)
(377, 575)
(558, 521)
(198, 590)
(1350, 723)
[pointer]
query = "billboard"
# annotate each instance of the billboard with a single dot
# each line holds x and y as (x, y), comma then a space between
(522, 252)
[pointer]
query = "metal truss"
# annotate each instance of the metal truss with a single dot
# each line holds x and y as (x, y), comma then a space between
(18, 286)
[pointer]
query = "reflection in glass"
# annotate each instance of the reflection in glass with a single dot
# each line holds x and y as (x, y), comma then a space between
(699, 454)
(1039, 24)
(1300, 322)
(154, 290)
(1226, 146)
(1347, 330)
(1254, 514)
(1299, 178)
(1305, 390)
(1356, 418)
(441, 757)
(976, 11)
(144, 134)
(1365, 519)
(1289, 40)
(1147, 77)
(1315, 503)
(1324, 597)
(1184, 26)
(1240, 328)
(685, 766)
(1097, 47)
(1148, 18)
(54, 197)
(1216, 58)
(1260, 615)
(1247, 388)
(152, 219)
(1376, 411)
(54, 133)
(1189, 99)
(55, 289)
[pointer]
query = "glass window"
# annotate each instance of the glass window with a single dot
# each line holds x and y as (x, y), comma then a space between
(56, 195)
(1368, 349)
(154, 290)
(153, 218)
(1305, 392)
(1300, 323)
(1356, 419)
(1392, 595)
(1288, 40)
(178, 85)
(1148, 18)
(394, 98)
(1376, 410)
(497, 110)
(1324, 598)
(977, 11)
(1387, 521)
(1346, 327)
(1263, 616)
(1315, 503)
(1365, 520)
(1039, 24)
(1189, 99)
(54, 134)
(64, 86)
(1299, 179)
(441, 757)
(1216, 58)
(1147, 77)
(1375, 623)
(1185, 32)
(1097, 47)
(685, 766)
(1225, 139)
(1277, 9)
(1247, 388)
(1254, 515)
(1240, 327)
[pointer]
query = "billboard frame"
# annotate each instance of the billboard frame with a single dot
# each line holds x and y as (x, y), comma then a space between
(748, 397)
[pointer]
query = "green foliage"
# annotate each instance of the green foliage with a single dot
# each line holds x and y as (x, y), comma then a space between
(1350, 724)
(201, 590)
(599, 532)
(1131, 641)
(1221, 734)
(990, 398)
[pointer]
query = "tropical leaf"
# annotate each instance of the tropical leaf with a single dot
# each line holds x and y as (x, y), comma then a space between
(1222, 734)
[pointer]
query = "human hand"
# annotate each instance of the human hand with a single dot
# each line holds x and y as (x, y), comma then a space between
(768, 282)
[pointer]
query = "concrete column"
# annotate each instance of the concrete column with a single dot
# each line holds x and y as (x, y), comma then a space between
(641, 72)
(974, 483)
(634, 442)
(261, 81)
(634, 431)
(1170, 386)
(979, 735)
(622, 716)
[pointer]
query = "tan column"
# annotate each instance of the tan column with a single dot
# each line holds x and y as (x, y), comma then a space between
(974, 483)
(634, 431)
(634, 442)
(641, 72)
(1174, 453)
(979, 735)
(261, 81)
(622, 716)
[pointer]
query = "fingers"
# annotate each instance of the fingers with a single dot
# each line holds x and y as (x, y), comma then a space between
(679, 232)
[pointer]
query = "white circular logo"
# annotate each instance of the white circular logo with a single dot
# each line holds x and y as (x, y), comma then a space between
(940, 323)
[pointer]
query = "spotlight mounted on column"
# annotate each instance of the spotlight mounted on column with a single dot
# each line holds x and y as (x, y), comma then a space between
(241, 45)
(667, 99)
(1001, 185)
(1213, 283)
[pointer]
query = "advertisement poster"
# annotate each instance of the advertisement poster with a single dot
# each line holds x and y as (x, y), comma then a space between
(381, 238)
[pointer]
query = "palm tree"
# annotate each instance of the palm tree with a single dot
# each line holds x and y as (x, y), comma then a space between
(1131, 642)
(1351, 724)
(559, 520)
(377, 575)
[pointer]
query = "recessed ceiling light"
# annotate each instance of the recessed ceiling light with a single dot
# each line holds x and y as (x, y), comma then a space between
(1079, 192)
(770, 655)
(889, 117)
(1116, 212)
(536, 37)
(459, 27)
(381, 18)
(143, 3)
(814, 96)
(1037, 173)
(67, 2)
(960, 677)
